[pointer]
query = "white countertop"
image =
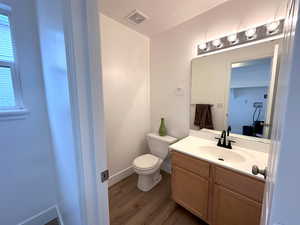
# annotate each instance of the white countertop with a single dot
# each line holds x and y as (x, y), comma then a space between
(239, 159)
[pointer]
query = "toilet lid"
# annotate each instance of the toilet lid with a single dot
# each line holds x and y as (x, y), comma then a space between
(146, 161)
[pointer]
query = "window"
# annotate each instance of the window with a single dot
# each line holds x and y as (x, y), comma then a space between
(9, 82)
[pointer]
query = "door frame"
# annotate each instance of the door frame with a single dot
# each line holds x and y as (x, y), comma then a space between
(82, 39)
(282, 186)
(271, 93)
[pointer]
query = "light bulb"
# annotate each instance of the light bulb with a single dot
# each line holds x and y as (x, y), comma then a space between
(272, 27)
(203, 46)
(232, 38)
(251, 33)
(217, 43)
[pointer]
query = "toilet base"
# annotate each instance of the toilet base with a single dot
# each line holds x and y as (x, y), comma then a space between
(147, 182)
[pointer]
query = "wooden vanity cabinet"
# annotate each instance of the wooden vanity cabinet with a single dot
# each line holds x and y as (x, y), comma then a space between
(217, 195)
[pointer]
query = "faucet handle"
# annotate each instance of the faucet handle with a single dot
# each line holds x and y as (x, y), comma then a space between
(229, 144)
(219, 141)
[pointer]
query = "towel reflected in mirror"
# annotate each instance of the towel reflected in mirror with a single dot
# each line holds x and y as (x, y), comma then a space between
(203, 116)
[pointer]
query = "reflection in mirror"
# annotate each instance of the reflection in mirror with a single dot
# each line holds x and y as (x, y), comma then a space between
(235, 88)
(249, 88)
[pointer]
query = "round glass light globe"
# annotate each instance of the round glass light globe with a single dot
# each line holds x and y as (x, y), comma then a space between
(232, 38)
(250, 33)
(217, 43)
(273, 26)
(203, 46)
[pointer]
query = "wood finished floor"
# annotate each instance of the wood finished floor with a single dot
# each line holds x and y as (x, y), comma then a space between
(53, 222)
(130, 206)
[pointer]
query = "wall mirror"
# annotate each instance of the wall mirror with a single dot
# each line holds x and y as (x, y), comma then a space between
(235, 88)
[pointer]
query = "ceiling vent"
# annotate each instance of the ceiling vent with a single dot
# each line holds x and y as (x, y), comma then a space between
(136, 17)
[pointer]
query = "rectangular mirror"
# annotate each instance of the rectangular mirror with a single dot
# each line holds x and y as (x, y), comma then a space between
(235, 88)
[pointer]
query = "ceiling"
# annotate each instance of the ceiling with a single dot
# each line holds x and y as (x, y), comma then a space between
(162, 14)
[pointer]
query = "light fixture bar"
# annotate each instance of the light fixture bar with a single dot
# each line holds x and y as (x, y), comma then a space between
(243, 37)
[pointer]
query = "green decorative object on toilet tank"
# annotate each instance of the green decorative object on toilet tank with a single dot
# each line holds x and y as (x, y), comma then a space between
(162, 129)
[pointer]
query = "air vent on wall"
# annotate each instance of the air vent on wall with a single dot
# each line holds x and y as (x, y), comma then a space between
(136, 17)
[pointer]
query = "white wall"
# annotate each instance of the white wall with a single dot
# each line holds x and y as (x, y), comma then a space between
(125, 61)
(57, 78)
(257, 75)
(26, 162)
(172, 51)
(240, 112)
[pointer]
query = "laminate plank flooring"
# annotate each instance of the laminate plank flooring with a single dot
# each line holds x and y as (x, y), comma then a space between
(130, 206)
(53, 222)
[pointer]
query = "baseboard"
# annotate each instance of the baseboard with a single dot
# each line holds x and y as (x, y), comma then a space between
(42, 217)
(117, 177)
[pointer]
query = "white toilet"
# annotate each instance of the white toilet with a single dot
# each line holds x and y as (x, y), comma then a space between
(147, 166)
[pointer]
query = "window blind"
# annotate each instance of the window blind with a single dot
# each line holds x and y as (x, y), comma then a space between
(6, 47)
(7, 97)
(7, 93)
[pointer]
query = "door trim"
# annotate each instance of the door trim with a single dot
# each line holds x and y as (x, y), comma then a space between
(82, 38)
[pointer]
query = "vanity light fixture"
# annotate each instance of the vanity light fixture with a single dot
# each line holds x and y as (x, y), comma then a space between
(232, 39)
(217, 43)
(251, 33)
(259, 33)
(272, 28)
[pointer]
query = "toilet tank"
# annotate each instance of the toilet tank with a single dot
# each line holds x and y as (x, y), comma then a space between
(159, 145)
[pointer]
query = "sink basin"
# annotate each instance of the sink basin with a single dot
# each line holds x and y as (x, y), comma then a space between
(226, 155)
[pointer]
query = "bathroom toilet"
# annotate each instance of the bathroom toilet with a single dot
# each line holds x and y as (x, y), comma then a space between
(147, 166)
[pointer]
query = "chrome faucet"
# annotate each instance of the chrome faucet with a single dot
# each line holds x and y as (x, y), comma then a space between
(224, 141)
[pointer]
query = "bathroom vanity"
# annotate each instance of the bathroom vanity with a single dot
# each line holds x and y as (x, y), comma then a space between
(234, 91)
(217, 184)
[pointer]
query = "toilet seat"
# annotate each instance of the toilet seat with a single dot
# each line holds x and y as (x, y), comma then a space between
(146, 162)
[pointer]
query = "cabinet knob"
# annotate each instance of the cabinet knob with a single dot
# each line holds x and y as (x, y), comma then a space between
(256, 170)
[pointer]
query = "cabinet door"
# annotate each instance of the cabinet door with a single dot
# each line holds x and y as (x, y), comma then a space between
(231, 208)
(190, 191)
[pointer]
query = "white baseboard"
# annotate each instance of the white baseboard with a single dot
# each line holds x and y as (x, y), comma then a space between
(42, 217)
(115, 178)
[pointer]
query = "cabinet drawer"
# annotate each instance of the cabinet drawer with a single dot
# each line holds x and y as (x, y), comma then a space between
(190, 163)
(250, 187)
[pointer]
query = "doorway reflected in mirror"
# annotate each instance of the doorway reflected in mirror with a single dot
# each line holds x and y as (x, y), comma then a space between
(248, 101)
